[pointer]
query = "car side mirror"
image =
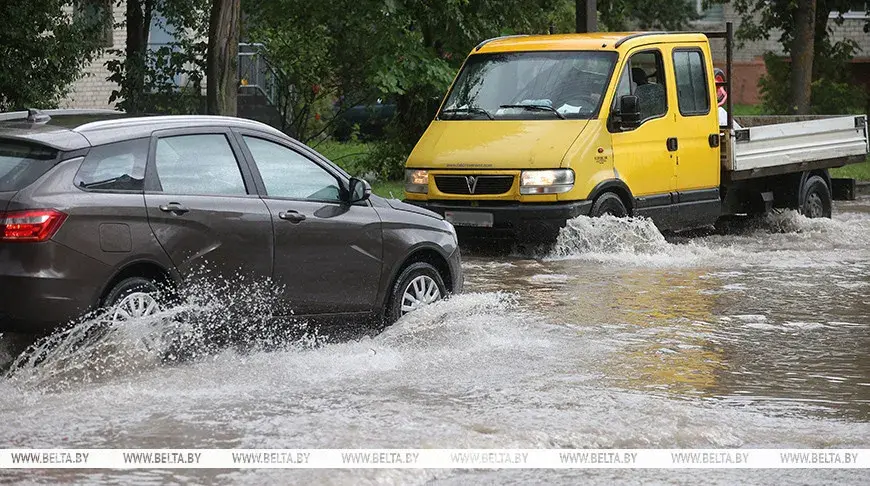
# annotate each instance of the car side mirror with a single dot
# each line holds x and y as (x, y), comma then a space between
(629, 112)
(359, 190)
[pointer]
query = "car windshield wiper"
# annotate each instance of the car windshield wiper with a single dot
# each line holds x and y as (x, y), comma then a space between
(468, 109)
(536, 108)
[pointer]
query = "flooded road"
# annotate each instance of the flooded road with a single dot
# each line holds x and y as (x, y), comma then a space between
(617, 338)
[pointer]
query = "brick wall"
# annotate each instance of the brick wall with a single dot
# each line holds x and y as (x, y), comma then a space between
(92, 90)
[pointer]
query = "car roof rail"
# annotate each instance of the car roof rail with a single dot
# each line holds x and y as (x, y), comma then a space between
(642, 34)
(32, 115)
(497, 38)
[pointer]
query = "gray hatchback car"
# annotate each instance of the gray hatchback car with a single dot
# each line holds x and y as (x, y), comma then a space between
(100, 214)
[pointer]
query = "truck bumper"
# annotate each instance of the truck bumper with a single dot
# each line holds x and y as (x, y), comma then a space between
(513, 220)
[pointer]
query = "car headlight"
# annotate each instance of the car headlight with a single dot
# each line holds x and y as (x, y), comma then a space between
(417, 181)
(553, 181)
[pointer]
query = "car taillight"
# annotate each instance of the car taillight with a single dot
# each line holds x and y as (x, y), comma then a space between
(31, 225)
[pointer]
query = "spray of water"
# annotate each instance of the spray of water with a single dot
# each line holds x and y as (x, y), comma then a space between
(208, 315)
(636, 241)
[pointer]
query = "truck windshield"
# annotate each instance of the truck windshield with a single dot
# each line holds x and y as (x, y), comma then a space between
(530, 86)
(21, 164)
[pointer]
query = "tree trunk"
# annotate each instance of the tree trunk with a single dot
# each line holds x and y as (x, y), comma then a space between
(802, 50)
(222, 60)
(138, 17)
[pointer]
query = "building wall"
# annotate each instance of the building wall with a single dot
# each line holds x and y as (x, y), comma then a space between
(92, 90)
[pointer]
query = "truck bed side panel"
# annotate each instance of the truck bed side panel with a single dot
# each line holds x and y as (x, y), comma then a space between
(771, 146)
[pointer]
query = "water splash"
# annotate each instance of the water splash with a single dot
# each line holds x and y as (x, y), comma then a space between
(608, 234)
(764, 240)
(210, 315)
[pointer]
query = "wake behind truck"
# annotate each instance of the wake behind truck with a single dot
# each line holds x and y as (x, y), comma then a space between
(536, 130)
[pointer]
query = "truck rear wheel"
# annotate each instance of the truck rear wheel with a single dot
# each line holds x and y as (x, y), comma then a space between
(608, 203)
(816, 198)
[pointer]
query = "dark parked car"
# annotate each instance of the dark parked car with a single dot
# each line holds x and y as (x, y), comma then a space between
(370, 118)
(100, 214)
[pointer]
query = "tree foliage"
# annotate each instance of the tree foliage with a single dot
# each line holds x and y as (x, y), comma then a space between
(830, 84)
(44, 46)
(147, 74)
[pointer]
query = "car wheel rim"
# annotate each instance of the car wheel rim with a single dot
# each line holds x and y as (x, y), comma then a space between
(815, 208)
(135, 306)
(422, 290)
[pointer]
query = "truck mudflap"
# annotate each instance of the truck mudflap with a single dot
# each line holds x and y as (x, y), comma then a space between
(511, 220)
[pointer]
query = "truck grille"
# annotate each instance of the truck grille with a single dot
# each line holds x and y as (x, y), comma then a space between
(474, 184)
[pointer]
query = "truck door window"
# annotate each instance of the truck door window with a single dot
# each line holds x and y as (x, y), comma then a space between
(692, 95)
(644, 77)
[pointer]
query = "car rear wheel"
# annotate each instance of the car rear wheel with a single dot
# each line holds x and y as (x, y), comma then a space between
(133, 298)
(418, 285)
(608, 203)
(817, 198)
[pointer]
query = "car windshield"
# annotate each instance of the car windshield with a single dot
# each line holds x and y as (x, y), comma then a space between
(530, 86)
(21, 164)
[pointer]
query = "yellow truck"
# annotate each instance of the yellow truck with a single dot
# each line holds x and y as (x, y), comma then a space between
(536, 130)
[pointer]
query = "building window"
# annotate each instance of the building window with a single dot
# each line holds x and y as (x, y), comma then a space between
(857, 10)
(714, 12)
(97, 13)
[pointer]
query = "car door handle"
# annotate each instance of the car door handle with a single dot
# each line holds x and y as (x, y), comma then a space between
(672, 144)
(292, 216)
(173, 208)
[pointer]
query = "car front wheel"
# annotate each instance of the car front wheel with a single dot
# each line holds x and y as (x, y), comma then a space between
(418, 285)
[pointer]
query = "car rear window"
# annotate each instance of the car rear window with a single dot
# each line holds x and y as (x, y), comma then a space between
(22, 163)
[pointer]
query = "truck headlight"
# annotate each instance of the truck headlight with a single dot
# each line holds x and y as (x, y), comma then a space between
(546, 181)
(417, 181)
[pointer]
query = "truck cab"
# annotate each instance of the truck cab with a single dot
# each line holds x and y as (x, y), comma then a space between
(536, 130)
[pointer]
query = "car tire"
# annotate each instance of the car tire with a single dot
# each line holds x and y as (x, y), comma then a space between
(816, 198)
(419, 281)
(608, 203)
(131, 298)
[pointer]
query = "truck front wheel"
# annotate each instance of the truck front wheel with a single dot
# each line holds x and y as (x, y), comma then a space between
(608, 203)
(816, 198)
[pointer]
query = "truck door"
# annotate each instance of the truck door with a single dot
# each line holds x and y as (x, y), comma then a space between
(697, 131)
(642, 156)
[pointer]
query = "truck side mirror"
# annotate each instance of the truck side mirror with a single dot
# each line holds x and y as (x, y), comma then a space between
(629, 112)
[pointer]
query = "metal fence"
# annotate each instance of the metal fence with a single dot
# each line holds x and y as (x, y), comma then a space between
(255, 72)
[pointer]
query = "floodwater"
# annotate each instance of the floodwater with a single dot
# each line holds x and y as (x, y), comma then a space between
(617, 338)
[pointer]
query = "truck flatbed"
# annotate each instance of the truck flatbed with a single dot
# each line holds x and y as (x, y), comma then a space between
(781, 148)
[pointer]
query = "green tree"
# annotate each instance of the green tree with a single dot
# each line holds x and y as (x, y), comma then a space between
(322, 52)
(146, 74)
(817, 75)
(43, 49)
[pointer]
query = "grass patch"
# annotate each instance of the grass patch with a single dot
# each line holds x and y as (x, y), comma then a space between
(748, 110)
(347, 155)
(860, 171)
(385, 188)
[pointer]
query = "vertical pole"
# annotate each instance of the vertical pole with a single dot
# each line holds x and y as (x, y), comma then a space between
(729, 41)
(587, 16)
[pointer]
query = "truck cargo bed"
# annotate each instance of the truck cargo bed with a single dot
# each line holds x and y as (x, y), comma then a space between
(792, 147)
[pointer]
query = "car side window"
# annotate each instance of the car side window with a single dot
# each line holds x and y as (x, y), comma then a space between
(644, 77)
(691, 77)
(287, 173)
(201, 164)
(114, 167)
